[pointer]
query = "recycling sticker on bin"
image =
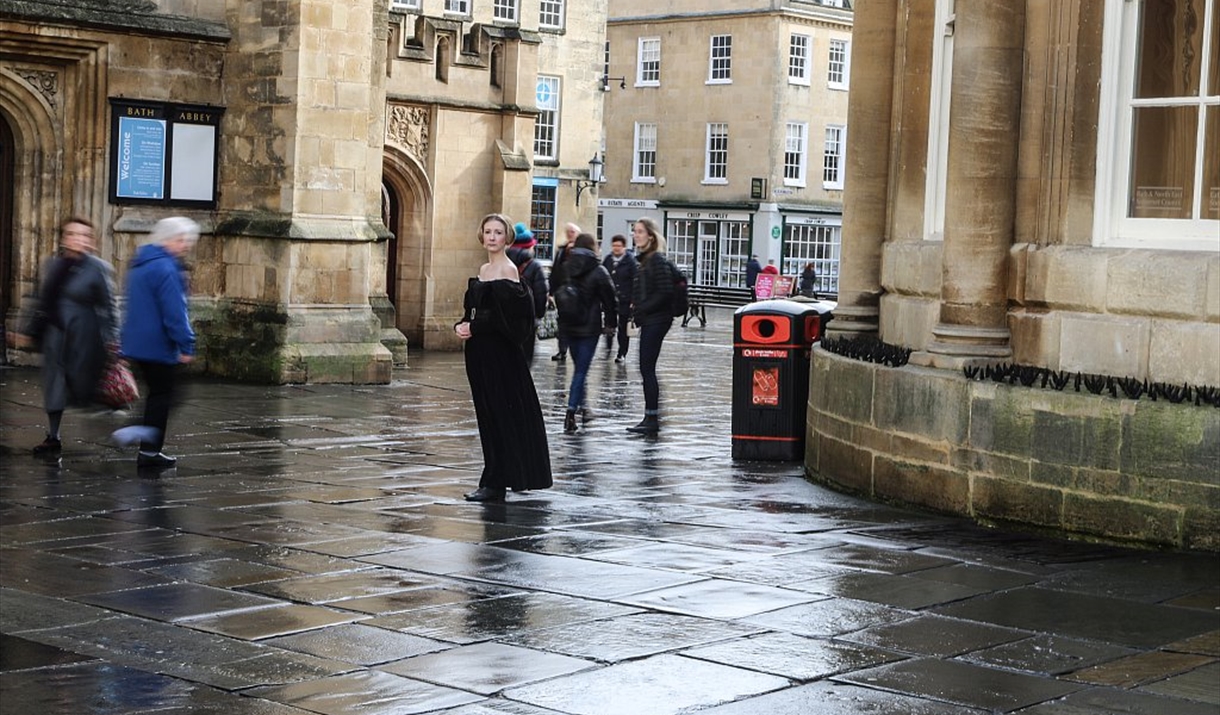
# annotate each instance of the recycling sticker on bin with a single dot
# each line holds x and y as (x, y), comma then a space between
(766, 386)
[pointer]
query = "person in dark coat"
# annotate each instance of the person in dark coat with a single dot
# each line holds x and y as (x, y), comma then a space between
(652, 301)
(753, 268)
(622, 266)
(498, 316)
(521, 253)
(74, 323)
(157, 335)
(592, 280)
(563, 247)
(809, 280)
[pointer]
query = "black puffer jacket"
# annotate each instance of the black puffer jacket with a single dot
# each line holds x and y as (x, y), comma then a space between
(653, 291)
(532, 276)
(584, 270)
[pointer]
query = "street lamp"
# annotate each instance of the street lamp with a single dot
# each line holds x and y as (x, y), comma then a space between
(595, 177)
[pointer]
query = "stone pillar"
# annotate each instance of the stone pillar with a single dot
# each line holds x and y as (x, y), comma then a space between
(299, 223)
(866, 199)
(980, 204)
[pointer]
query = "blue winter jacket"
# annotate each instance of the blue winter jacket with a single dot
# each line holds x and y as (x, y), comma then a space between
(156, 327)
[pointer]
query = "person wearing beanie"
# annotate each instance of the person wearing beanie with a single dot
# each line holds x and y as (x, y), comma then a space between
(563, 247)
(521, 253)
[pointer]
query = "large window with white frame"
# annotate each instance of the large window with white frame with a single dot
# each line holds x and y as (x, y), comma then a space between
(839, 64)
(504, 10)
(1158, 167)
(798, 58)
(796, 142)
(648, 65)
(644, 163)
(546, 124)
(457, 7)
(404, 4)
(550, 14)
(832, 158)
(720, 60)
(716, 163)
(816, 240)
(542, 216)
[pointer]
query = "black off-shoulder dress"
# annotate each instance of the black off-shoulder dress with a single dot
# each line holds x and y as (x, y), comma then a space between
(515, 452)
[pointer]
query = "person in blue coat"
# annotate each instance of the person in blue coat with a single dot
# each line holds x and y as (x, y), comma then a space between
(157, 335)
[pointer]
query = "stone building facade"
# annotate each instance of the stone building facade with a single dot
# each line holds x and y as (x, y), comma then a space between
(726, 123)
(1032, 182)
(272, 124)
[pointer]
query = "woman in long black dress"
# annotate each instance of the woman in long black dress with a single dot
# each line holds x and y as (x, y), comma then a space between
(498, 318)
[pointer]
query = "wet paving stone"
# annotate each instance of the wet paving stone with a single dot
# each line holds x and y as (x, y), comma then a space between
(1112, 701)
(1141, 668)
(1201, 685)
(177, 601)
(367, 693)
(259, 623)
(442, 558)
(17, 653)
(441, 594)
(1049, 655)
(961, 684)
(794, 657)
(1206, 644)
(22, 611)
(488, 618)
(568, 543)
(675, 557)
(576, 577)
(487, 668)
(1099, 618)
(223, 573)
(662, 685)
(826, 698)
(719, 598)
(630, 636)
(896, 591)
(927, 634)
(358, 644)
(53, 575)
(93, 686)
(330, 588)
(828, 617)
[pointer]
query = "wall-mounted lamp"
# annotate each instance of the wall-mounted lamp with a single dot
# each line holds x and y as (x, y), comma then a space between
(607, 79)
(595, 177)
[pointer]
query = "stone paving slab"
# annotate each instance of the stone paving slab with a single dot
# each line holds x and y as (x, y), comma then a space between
(312, 554)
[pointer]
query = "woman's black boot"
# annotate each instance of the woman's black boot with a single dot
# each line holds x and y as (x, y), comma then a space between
(569, 422)
(649, 425)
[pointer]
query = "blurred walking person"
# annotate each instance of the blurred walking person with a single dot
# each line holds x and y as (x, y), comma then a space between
(157, 335)
(622, 266)
(563, 248)
(521, 253)
(498, 316)
(74, 322)
(586, 306)
(652, 303)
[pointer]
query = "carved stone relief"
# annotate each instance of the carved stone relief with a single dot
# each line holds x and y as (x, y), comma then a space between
(408, 128)
(45, 81)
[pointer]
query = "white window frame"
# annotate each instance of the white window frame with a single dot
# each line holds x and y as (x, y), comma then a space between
(648, 51)
(718, 132)
(1111, 227)
(644, 154)
(505, 10)
(796, 146)
(832, 157)
(552, 14)
(404, 4)
(937, 162)
(838, 70)
(548, 118)
(800, 52)
(457, 7)
(720, 59)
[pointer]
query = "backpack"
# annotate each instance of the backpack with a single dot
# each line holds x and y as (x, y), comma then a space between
(680, 302)
(572, 303)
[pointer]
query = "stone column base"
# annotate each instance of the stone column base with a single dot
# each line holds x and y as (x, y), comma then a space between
(955, 346)
(850, 321)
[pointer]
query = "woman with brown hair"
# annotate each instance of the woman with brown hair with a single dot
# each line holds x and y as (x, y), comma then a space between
(498, 319)
(652, 298)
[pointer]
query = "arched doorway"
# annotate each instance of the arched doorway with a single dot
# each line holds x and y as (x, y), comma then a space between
(407, 206)
(7, 148)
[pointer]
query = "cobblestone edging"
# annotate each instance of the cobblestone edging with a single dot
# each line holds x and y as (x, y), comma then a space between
(1078, 464)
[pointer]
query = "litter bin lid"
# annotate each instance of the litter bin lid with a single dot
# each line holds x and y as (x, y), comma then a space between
(783, 306)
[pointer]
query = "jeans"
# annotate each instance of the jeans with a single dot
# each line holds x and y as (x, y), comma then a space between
(624, 320)
(582, 350)
(651, 337)
(160, 379)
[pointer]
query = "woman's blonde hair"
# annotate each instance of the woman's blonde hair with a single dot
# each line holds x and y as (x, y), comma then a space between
(657, 243)
(508, 227)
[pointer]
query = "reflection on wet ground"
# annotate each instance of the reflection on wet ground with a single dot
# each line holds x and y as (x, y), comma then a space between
(312, 554)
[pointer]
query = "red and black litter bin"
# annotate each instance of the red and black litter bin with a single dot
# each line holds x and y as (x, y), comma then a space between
(771, 344)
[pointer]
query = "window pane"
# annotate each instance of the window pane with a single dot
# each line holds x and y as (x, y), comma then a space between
(1163, 162)
(542, 221)
(1170, 48)
(550, 13)
(1213, 72)
(1210, 200)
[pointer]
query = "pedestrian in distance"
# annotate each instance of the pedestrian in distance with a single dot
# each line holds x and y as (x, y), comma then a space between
(157, 336)
(498, 315)
(521, 253)
(652, 301)
(622, 266)
(770, 269)
(563, 246)
(753, 268)
(72, 325)
(586, 305)
(809, 280)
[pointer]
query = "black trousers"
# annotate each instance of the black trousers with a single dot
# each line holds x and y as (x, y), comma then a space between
(624, 340)
(160, 378)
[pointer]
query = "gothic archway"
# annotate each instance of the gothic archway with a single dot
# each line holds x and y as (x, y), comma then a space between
(408, 199)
